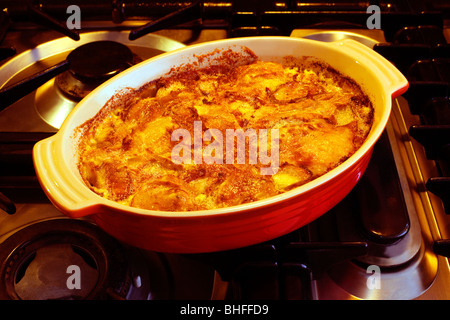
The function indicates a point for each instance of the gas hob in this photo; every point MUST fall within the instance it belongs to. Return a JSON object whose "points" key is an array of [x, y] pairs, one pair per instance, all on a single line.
{"points": [[387, 240]]}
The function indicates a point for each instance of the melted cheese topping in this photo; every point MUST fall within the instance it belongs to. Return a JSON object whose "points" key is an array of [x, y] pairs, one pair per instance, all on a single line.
{"points": [[125, 154]]}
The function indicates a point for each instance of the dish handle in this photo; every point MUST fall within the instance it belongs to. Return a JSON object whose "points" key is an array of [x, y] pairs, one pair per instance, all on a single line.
{"points": [[62, 187], [394, 81]]}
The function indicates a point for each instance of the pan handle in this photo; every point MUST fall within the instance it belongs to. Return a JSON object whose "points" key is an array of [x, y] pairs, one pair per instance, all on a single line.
{"points": [[63, 188], [393, 80], [12, 93]]}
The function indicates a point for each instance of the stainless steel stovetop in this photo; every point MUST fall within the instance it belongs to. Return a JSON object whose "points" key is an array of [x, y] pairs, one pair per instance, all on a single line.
{"points": [[395, 249]]}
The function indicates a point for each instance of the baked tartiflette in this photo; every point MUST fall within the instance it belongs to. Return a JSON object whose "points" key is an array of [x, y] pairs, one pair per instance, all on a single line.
{"points": [[219, 136]]}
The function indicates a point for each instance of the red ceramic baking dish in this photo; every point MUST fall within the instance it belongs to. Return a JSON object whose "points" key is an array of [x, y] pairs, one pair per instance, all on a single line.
{"points": [[55, 158]]}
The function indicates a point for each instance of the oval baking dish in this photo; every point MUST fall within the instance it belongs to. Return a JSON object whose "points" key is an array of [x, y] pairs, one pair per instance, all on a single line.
{"points": [[55, 158]]}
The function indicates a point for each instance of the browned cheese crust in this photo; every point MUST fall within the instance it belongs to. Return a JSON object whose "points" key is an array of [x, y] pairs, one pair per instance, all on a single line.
{"points": [[322, 118]]}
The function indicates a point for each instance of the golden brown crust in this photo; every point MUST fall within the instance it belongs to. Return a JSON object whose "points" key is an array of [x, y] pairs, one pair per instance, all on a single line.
{"points": [[321, 119]]}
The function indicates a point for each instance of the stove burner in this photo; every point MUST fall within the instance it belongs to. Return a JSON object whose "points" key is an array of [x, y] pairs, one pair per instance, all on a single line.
{"points": [[46, 268], [68, 259], [91, 64], [87, 66]]}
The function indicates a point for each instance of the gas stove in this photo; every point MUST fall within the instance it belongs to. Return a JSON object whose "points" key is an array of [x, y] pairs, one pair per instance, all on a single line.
{"points": [[388, 239]]}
